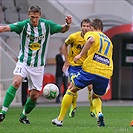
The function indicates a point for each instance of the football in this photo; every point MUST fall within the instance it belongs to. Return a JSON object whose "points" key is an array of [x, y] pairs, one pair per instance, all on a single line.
{"points": [[50, 91]]}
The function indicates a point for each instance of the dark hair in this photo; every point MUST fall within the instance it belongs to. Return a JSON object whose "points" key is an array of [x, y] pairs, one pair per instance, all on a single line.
{"points": [[85, 21], [97, 24], [34, 8]]}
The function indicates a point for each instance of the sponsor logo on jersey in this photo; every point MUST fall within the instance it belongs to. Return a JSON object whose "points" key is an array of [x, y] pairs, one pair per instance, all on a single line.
{"points": [[101, 59], [35, 38], [35, 46]]}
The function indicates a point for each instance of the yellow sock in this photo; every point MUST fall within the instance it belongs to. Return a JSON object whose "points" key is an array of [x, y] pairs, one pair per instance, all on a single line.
{"points": [[97, 104], [66, 102], [74, 102]]}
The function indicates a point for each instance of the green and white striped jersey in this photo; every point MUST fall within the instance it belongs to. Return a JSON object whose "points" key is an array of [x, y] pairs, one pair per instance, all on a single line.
{"points": [[34, 40]]}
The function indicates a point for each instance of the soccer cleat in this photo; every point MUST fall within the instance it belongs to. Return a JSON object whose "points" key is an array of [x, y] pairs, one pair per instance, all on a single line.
{"points": [[57, 122], [24, 120], [72, 112], [92, 114], [100, 120], [2, 117], [131, 123]]}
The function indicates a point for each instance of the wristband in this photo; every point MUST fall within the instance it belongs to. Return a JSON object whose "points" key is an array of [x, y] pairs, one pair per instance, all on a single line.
{"points": [[67, 25]]}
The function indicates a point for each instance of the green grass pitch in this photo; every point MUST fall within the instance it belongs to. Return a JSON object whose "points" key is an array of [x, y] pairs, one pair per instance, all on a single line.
{"points": [[117, 119]]}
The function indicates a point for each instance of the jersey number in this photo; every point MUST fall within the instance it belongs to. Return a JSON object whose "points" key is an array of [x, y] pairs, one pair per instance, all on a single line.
{"points": [[18, 70], [101, 46]]}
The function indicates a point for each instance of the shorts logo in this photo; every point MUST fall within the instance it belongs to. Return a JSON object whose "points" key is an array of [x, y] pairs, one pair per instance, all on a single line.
{"points": [[101, 59]]}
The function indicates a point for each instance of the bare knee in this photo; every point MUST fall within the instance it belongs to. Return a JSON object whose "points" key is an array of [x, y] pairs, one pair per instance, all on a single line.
{"points": [[73, 88], [34, 94], [90, 87], [16, 83]]}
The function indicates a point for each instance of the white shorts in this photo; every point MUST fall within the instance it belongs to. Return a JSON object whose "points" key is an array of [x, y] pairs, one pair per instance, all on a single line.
{"points": [[34, 75]]}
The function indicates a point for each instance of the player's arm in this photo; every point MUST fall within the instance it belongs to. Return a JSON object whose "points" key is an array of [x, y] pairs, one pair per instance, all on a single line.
{"points": [[86, 47], [5, 28], [66, 26], [65, 52]]}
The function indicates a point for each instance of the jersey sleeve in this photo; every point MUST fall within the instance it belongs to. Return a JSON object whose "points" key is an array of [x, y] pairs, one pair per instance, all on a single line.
{"points": [[87, 35], [54, 28], [69, 40], [17, 27]]}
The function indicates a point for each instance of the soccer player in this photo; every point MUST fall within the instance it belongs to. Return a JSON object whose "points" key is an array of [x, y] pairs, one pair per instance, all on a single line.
{"points": [[97, 69], [35, 33], [75, 42]]}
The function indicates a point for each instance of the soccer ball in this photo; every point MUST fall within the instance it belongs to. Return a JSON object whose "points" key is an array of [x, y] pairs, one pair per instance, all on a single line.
{"points": [[50, 91]]}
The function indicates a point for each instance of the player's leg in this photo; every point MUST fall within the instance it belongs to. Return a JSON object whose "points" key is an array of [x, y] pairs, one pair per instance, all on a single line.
{"points": [[97, 103], [73, 70], [73, 105], [78, 82], [11, 91], [35, 85], [29, 106], [9, 96], [99, 89], [66, 102], [92, 110]]}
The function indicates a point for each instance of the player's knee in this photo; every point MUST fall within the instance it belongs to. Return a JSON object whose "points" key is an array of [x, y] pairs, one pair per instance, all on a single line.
{"points": [[16, 83], [90, 87], [34, 95], [74, 90], [69, 92], [34, 98]]}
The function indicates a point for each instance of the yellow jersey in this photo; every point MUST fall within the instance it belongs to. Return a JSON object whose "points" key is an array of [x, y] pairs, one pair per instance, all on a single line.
{"points": [[76, 42], [99, 60]]}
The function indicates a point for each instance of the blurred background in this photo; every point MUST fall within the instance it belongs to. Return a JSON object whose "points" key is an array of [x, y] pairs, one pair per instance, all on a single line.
{"points": [[117, 17]]}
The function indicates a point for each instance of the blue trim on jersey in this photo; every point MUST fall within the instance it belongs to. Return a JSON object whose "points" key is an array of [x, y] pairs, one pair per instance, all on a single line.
{"points": [[73, 70], [84, 79]]}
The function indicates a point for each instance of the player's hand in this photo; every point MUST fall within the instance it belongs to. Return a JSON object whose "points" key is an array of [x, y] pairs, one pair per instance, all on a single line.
{"points": [[77, 57], [68, 19], [65, 66]]}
